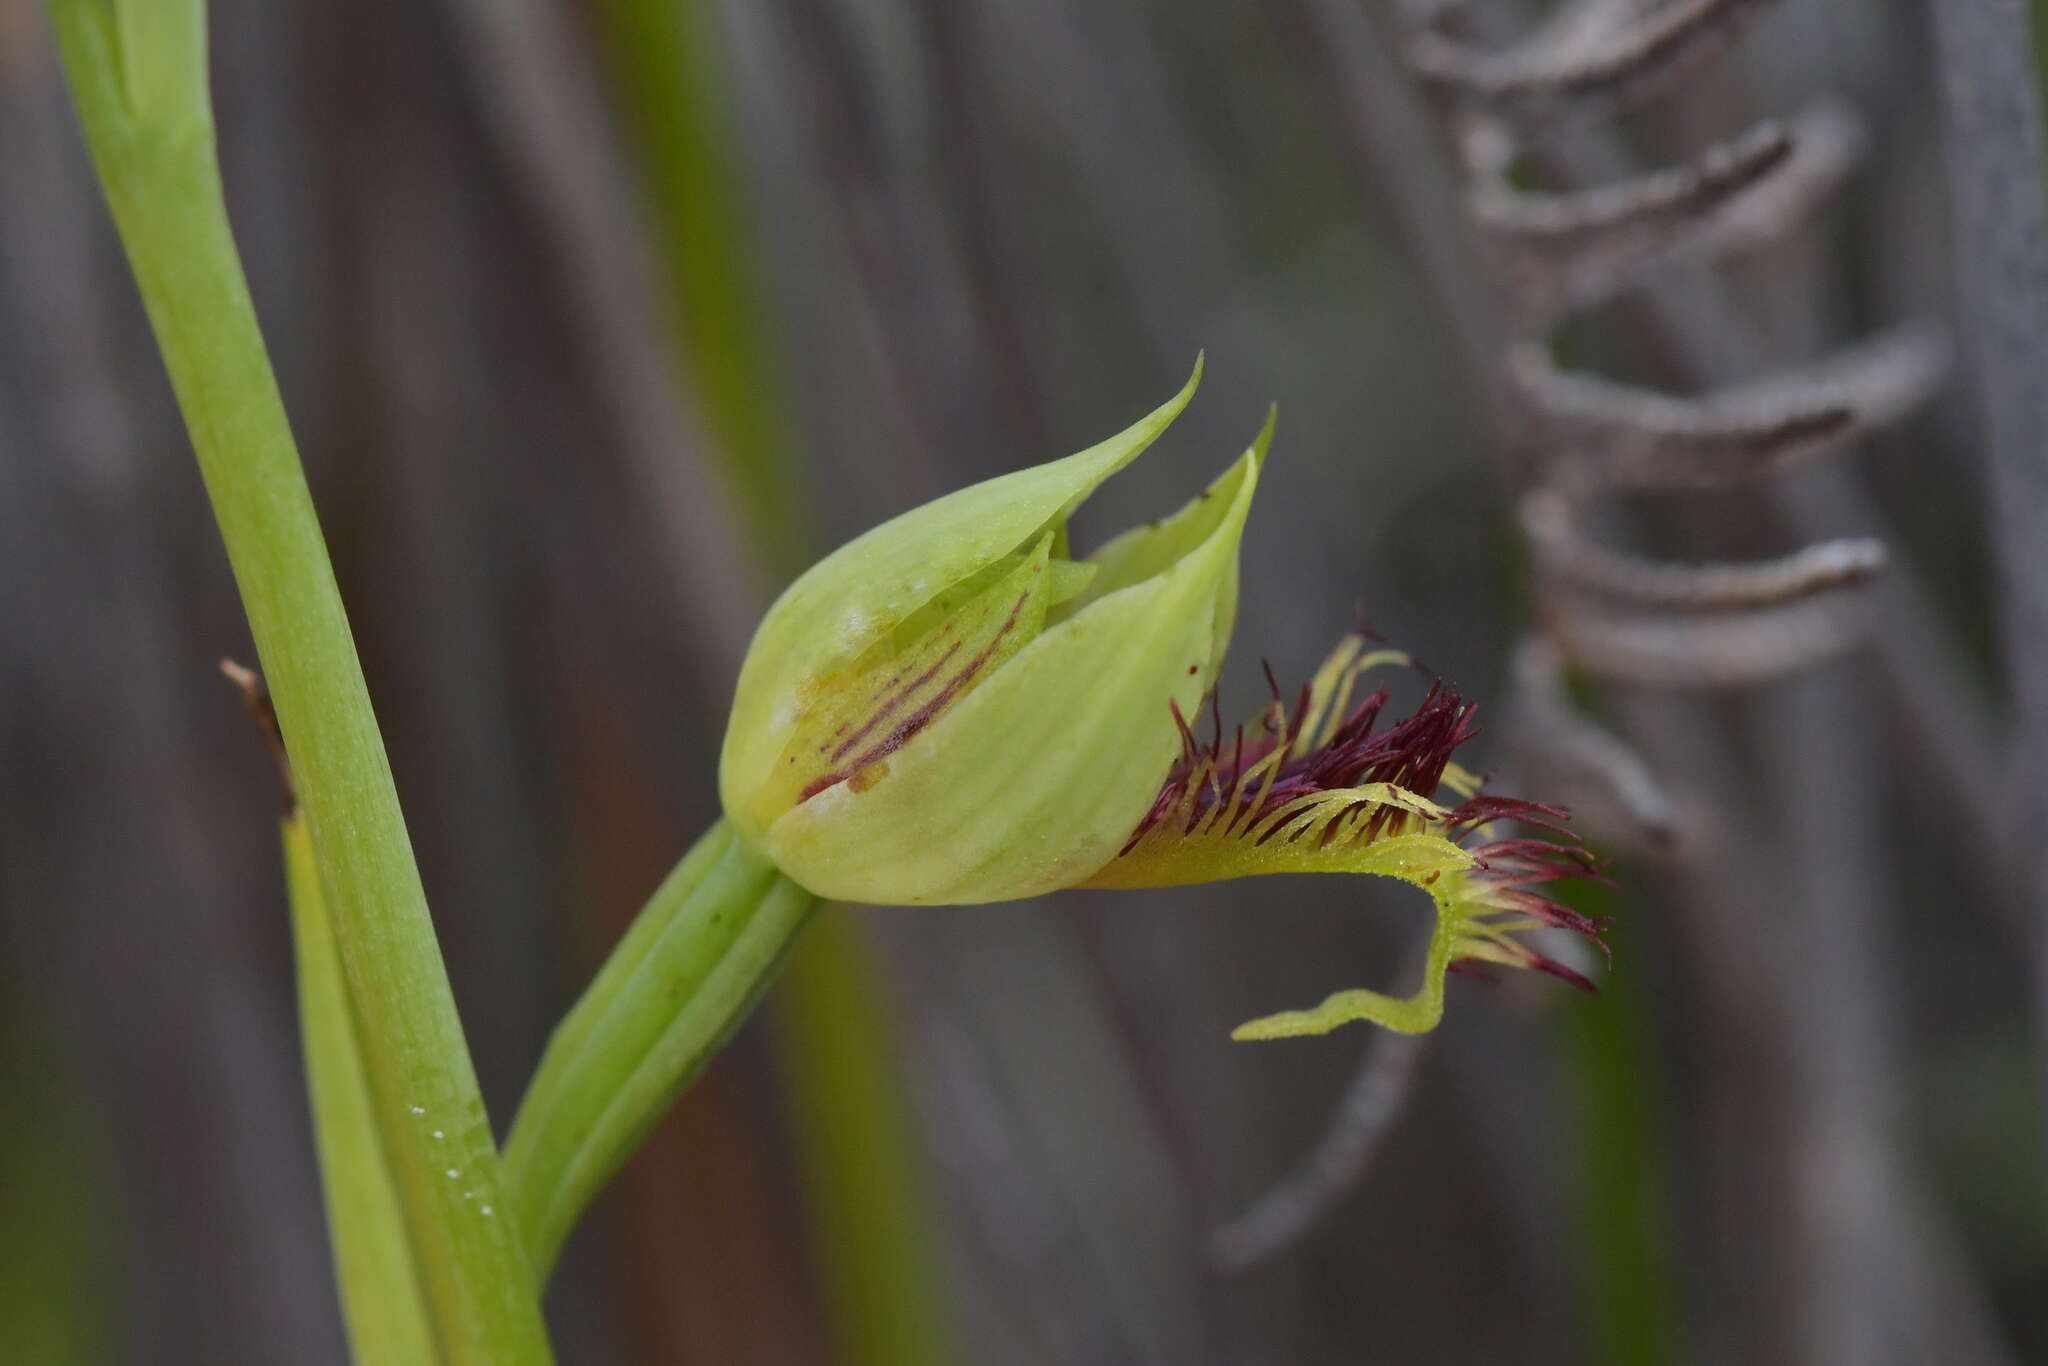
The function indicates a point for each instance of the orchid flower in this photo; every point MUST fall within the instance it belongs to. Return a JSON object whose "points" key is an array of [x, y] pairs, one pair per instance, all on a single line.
{"points": [[953, 709]]}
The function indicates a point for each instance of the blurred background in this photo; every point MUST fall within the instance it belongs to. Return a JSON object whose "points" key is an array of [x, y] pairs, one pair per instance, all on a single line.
{"points": [[598, 321]]}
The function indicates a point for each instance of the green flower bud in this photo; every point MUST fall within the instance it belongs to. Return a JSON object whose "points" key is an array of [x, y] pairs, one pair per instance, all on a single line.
{"points": [[950, 710]]}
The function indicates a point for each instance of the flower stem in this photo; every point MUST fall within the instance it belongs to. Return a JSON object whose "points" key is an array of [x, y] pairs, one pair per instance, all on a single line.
{"points": [[1623, 1235], [693, 964], [665, 61], [138, 76], [852, 1129]]}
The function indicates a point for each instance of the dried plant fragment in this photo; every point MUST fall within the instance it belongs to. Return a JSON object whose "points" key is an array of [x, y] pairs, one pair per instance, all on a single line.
{"points": [[1693, 652], [1631, 218], [1569, 252], [1623, 435], [1609, 785], [1586, 69], [1571, 558], [1371, 1103]]}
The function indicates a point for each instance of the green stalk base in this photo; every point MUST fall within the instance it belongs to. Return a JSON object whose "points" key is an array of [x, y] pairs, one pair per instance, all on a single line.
{"points": [[681, 981]]}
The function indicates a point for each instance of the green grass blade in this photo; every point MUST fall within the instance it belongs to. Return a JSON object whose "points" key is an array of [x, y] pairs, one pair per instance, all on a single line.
{"points": [[851, 1125], [1623, 1239], [374, 1262], [665, 62]]}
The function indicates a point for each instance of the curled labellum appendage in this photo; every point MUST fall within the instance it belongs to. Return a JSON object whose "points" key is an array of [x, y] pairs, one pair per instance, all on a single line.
{"points": [[951, 710]]}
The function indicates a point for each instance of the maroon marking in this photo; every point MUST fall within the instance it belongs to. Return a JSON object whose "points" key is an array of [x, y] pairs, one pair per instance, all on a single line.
{"points": [[922, 717], [893, 701]]}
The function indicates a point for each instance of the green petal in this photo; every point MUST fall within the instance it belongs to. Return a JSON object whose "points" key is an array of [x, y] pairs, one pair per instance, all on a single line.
{"points": [[1143, 551], [847, 602], [1038, 777], [858, 718]]}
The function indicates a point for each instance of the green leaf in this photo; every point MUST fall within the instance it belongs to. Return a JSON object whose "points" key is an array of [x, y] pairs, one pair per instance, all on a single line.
{"points": [[375, 1263], [858, 594], [1035, 779]]}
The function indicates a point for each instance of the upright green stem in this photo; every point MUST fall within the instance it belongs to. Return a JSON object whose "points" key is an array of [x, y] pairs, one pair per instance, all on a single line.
{"points": [[857, 1152], [57, 1293], [665, 63], [138, 75], [1622, 1241], [689, 970]]}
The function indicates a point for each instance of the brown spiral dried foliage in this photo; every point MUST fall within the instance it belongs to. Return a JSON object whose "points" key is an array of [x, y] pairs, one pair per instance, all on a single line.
{"points": [[1607, 612]]}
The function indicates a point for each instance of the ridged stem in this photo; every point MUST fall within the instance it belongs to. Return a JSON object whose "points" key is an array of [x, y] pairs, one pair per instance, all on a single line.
{"points": [[682, 980]]}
